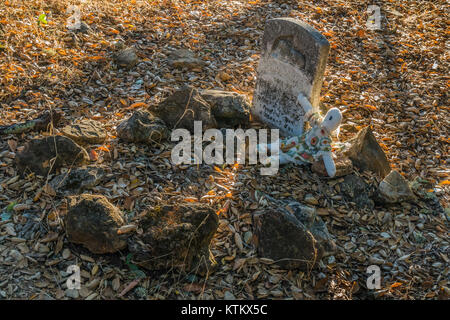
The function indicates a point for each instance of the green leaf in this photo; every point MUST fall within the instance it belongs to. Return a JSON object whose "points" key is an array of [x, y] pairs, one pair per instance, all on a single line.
{"points": [[42, 19], [10, 207]]}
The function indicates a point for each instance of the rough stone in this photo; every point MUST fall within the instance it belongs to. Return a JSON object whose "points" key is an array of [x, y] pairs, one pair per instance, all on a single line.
{"points": [[77, 180], [293, 61], [72, 293], [343, 165], [183, 58], [356, 190], [394, 188], [143, 127], [292, 234], [86, 132], [230, 109], [126, 57], [183, 107], [45, 155], [176, 236], [93, 222], [366, 153]]}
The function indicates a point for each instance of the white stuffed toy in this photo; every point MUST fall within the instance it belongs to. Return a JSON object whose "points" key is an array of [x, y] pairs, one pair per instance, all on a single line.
{"points": [[313, 144]]}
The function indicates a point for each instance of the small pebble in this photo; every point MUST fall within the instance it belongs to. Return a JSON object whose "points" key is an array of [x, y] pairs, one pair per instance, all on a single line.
{"points": [[72, 293], [229, 296], [248, 236], [66, 254], [331, 260], [385, 235]]}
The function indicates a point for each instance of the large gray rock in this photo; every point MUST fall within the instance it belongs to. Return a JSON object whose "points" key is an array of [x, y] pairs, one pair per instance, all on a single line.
{"points": [[230, 109], [176, 236], [293, 61], [366, 153], [94, 222], [183, 107], [394, 188], [292, 234], [48, 154], [85, 132], [143, 127]]}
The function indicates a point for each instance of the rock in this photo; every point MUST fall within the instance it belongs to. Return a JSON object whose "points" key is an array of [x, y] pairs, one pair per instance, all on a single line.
{"points": [[93, 222], [72, 293], [142, 126], [183, 107], [126, 58], [77, 180], [248, 237], [176, 236], [366, 153], [229, 296], [230, 109], [183, 58], [292, 234], [85, 132], [394, 188], [343, 167], [72, 104], [49, 154], [355, 189], [66, 254]]}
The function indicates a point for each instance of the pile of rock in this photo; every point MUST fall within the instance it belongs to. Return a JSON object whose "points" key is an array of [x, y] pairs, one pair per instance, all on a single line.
{"points": [[172, 236], [215, 108]]}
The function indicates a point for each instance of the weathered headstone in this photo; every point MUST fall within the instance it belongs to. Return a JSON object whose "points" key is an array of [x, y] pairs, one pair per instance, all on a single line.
{"points": [[293, 61]]}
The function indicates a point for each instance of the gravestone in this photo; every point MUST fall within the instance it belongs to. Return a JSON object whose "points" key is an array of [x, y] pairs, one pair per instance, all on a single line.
{"points": [[293, 61]]}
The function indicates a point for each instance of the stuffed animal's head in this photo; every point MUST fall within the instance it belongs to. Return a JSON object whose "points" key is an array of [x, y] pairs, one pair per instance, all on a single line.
{"points": [[332, 120]]}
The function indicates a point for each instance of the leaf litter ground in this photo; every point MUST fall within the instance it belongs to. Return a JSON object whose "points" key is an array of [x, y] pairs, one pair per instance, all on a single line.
{"points": [[394, 79]]}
